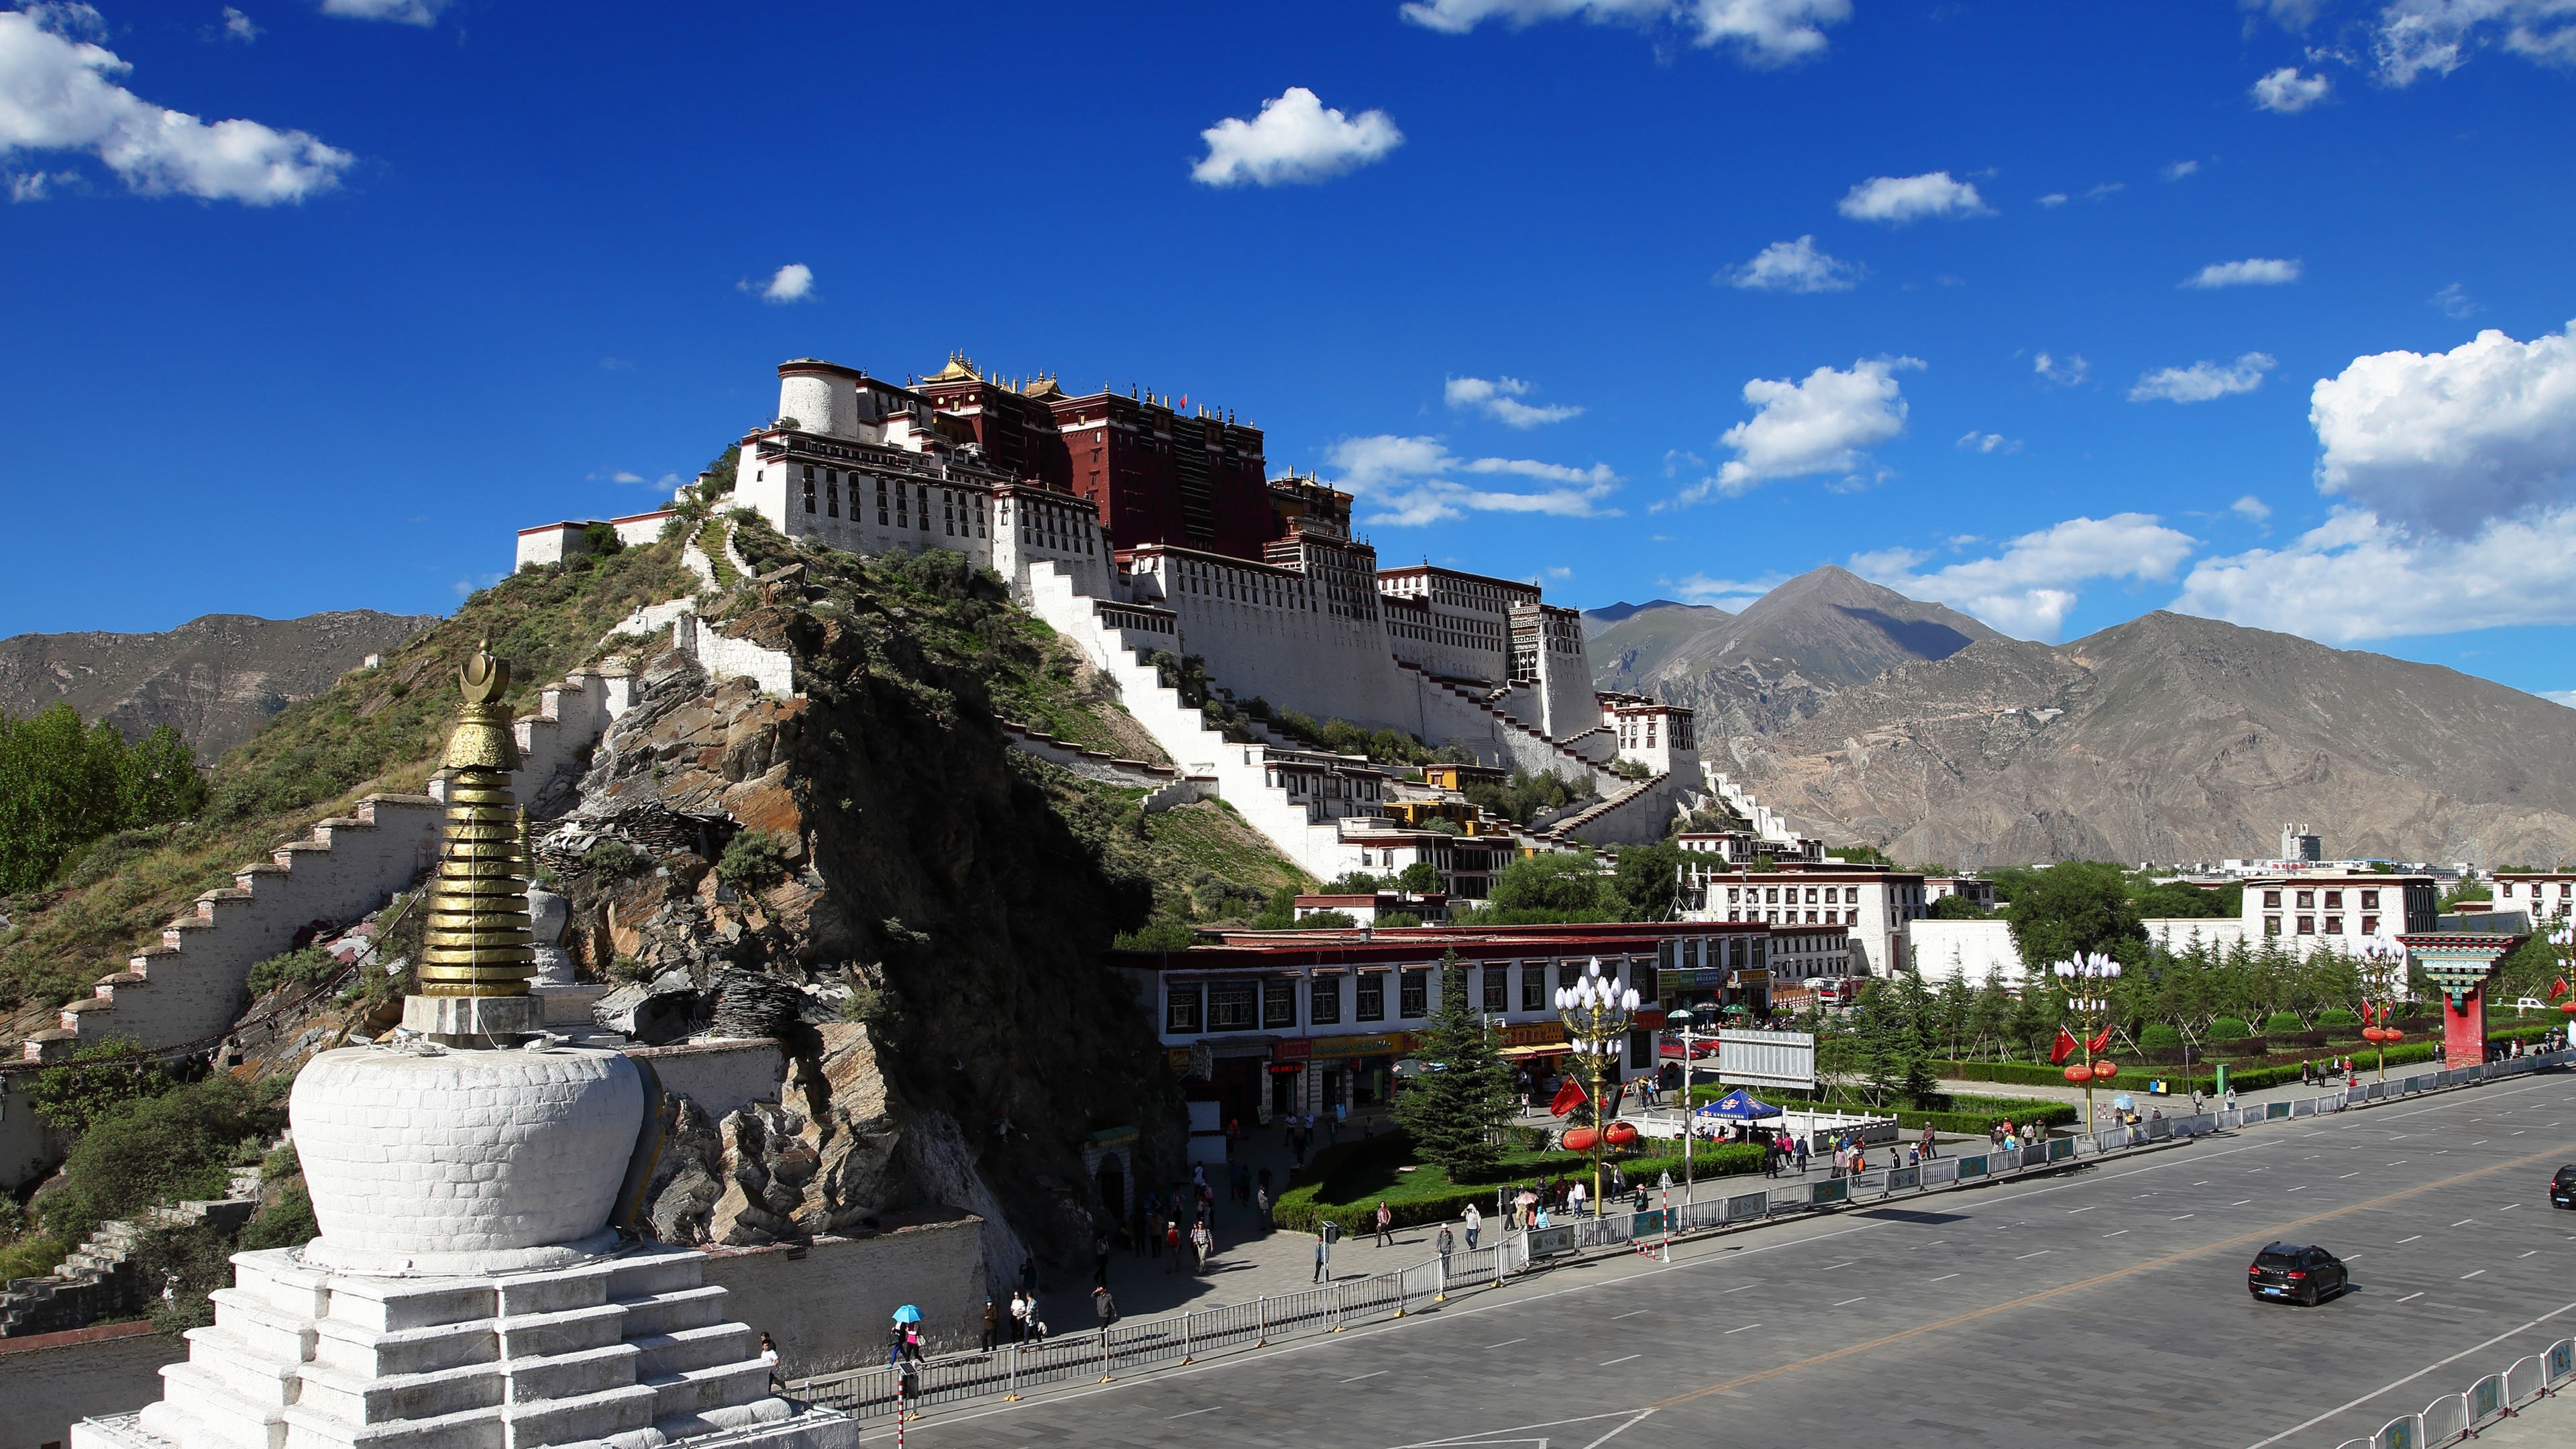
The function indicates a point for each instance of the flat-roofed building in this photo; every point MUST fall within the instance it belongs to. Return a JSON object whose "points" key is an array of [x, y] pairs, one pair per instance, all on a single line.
{"points": [[2313, 911]]}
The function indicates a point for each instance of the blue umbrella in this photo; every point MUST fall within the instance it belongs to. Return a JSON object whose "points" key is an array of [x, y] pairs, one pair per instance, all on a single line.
{"points": [[907, 1314], [1740, 1106]]}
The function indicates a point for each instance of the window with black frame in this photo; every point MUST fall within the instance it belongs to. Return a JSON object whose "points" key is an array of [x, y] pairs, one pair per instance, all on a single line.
{"points": [[1181, 1010], [1415, 1001], [1498, 989], [1370, 991], [1232, 1005], [1279, 1004], [1533, 988], [1324, 1002]]}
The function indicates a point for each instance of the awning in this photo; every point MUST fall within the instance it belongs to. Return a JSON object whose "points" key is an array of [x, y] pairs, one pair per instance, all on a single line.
{"points": [[1739, 1106], [1524, 1053]]}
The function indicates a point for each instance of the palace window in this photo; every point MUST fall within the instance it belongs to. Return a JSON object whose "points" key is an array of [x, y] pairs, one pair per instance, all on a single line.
{"points": [[1498, 989], [2307, 900], [809, 495], [832, 497], [2307, 924], [1279, 1004], [1181, 1009], [1415, 1002], [2370, 925], [1324, 1001], [2271, 900], [1371, 994], [1231, 1005], [2334, 900], [1533, 988], [2370, 899]]}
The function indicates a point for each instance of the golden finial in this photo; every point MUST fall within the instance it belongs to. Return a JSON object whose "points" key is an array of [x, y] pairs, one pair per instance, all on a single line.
{"points": [[478, 937]]}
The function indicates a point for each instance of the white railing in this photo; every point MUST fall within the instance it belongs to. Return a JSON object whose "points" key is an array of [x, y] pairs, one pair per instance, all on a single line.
{"points": [[2454, 1417]]}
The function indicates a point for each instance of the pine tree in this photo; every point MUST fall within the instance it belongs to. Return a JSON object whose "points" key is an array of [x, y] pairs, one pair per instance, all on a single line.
{"points": [[1463, 1093]]}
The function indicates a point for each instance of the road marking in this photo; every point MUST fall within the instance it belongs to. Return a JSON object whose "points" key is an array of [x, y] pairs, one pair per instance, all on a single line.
{"points": [[2535, 1250], [1845, 1263], [1617, 1316], [1946, 1277], [1737, 1289], [2302, 1187], [2122, 1233], [2401, 1162], [1872, 1346], [1848, 1302], [2464, 1222], [2349, 1174], [2411, 1297], [2240, 1202], [2070, 1212], [2402, 1242], [2410, 1378], [1506, 1343], [2464, 1277], [2204, 1182], [2481, 1142], [2508, 1207], [1623, 1360], [2042, 1253], [2189, 1215], [1210, 1409], [1744, 1329], [1356, 1379]]}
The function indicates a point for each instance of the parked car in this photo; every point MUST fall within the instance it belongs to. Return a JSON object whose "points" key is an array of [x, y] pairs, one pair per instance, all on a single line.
{"points": [[2296, 1274], [2562, 1188]]}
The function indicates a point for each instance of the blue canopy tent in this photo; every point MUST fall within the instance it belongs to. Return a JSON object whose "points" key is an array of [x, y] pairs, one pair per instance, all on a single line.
{"points": [[1740, 1106]]}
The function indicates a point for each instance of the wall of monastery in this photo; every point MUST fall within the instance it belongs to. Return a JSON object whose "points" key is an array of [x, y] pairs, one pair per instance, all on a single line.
{"points": [[718, 1075], [828, 1304], [1962, 950]]}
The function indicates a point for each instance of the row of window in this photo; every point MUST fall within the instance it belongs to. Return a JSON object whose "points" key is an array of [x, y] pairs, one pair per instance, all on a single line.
{"points": [[1271, 1004], [1790, 918], [2538, 889], [2307, 925], [2307, 900], [1770, 895]]}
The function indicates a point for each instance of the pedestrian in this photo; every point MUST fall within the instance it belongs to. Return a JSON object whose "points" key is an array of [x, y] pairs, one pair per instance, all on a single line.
{"points": [[1802, 1156], [1261, 1205], [1929, 1142], [1172, 1240], [1445, 1244], [1100, 1260], [992, 1323], [1574, 1199], [1385, 1221], [769, 1351], [1475, 1223], [1202, 1247], [1105, 1308], [1020, 1315], [1320, 1244]]}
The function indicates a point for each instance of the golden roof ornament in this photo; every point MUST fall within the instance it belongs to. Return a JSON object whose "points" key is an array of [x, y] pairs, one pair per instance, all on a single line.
{"points": [[478, 938]]}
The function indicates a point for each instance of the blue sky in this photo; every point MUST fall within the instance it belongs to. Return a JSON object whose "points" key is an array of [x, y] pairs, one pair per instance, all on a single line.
{"points": [[2055, 313]]}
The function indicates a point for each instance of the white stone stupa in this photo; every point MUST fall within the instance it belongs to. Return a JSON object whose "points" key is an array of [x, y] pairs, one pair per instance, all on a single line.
{"points": [[470, 1289]]}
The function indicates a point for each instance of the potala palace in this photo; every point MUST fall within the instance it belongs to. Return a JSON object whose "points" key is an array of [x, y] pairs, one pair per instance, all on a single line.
{"points": [[1134, 526]]}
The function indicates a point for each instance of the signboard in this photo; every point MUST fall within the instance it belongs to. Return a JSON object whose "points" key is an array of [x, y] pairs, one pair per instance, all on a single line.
{"points": [[1748, 1058], [1534, 1033], [1747, 1205], [1646, 1224], [1294, 1049], [1383, 1044], [1901, 1178], [1548, 1242], [1837, 1190], [1704, 978]]}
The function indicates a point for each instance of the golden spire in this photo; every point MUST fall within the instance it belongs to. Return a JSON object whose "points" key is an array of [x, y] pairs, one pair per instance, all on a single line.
{"points": [[478, 937]]}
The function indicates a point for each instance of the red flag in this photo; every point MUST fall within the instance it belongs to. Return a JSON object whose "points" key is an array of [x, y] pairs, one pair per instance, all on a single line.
{"points": [[2064, 1048], [2558, 989], [2099, 1043], [2365, 1014], [1568, 1097]]}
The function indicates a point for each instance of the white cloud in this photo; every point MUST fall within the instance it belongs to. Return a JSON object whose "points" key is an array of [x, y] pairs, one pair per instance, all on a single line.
{"points": [[2355, 577], [2440, 441], [2411, 37], [2202, 381], [39, 185], [2251, 272], [2180, 169], [1820, 425], [1977, 442], [1793, 266], [2566, 697], [1760, 32], [1296, 138], [58, 92], [2028, 589], [2107, 188], [2054, 198], [2251, 507], [2455, 302], [1900, 199], [400, 12], [2288, 92], [2066, 373], [1728, 594], [1500, 399], [1412, 481], [238, 26], [793, 282]]}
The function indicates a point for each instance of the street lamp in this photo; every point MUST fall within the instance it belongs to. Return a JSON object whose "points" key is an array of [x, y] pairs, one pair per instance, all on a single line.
{"points": [[2383, 977], [1680, 1016], [2087, 976], [1597, 1014]]}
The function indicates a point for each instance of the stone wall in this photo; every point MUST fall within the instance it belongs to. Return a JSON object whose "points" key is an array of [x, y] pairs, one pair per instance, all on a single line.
{"points": [[1968, 950], [723, 658], [29, 1150], [829, 1305], [718, 1075], [54, 1382]]}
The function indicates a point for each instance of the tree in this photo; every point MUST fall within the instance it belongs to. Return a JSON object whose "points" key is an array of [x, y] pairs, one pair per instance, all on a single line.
{"points": [[2072, 908], [100, 1077], [2180, 900], [1462, 1097], [63, 785], [1895, 1053], [1648, 882], [1543, 889], [1420, 878], [1956, 908]]}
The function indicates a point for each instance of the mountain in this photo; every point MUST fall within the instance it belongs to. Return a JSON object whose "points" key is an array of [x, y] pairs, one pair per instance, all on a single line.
{"points": [[1778, 662], [1596, 620], [216, 679], [2172, 738]]}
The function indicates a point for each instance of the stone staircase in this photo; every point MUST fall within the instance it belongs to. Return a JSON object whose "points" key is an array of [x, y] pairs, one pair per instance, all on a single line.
{"points": [[97, 1279], [189, 989]]}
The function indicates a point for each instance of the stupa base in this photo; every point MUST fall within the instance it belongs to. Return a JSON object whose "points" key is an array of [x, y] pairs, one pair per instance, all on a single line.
{"points": [[474, 1021], [627, 1352]]}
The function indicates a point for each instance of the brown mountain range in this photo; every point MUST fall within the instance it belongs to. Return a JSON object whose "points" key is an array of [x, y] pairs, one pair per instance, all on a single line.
{"points": [[2167, 738], [216, 679]]}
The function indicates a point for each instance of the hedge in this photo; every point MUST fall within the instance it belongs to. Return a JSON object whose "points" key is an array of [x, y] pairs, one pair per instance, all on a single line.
{"points": [[1298, 1209], [2249, 1079]]}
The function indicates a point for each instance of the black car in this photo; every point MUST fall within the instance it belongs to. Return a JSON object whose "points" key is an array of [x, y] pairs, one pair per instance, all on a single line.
{"points": [[2562, 1188], [2297, 1274]]}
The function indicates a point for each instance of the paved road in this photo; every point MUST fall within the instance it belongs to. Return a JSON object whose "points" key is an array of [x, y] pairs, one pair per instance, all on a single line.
{"points": [[2106, 1307]]}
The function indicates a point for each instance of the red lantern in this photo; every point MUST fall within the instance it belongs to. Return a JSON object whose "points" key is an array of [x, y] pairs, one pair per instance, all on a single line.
{"points": [[2105, 1071], [2568, 1007], [2079, 1074], [1622, 1134], [1580, 1139]]}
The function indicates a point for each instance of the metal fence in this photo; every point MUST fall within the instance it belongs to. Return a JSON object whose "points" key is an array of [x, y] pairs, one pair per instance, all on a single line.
{"points": [[1183, 1337], [2454, 1417]]}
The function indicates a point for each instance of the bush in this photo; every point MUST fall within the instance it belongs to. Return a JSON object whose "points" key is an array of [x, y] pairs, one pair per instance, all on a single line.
{"points": [[285, 1223], [1327, 921], [160, 1149], [299, 970], [753, 861], [614, 859], [1160, 935], [2283, 1023], [2159, 1037], [2229, 1028], [2334, 1016]]}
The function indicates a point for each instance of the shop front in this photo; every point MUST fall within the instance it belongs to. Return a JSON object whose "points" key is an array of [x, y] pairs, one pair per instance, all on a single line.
{"points": [[1356, 1071], [1289, 1061]]}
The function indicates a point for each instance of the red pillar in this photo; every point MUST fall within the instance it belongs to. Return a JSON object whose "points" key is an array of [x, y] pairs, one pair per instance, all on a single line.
{"points": [[2464, 1028]]}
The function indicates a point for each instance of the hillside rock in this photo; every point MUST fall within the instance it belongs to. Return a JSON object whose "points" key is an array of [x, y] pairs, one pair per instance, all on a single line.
{"points": [[214, 679]]}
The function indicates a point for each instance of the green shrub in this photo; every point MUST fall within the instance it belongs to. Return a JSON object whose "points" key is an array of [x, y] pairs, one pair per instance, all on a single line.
{"points": [[160, 1149], [1164, 934], [754, 860], [2335, 1016], [2282, 1022], [2159, 1037], [614, 859], [1327, 921], [100, 1077], [285, 1223], [299, 970], [188, 1261], [2228, 1028]]}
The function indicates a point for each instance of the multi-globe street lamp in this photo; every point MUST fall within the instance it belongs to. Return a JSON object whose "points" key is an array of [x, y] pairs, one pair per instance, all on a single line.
{"points": [[1597, 1013], [1681, 1017], [2087, 979], [2383, 980]]}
